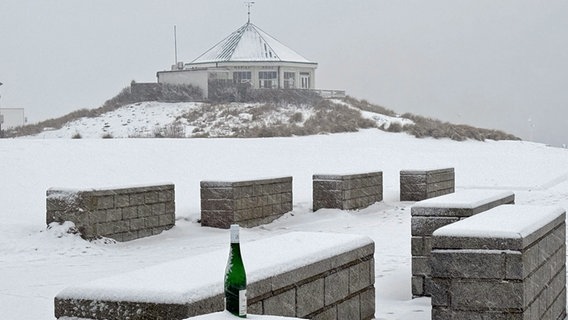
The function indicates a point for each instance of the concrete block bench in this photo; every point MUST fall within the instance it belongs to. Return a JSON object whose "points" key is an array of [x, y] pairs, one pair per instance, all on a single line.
{"points": [[429, 215], [299, 274], [123, 214], [505, 263], [247, 203], [347, 192], [416, 185]]}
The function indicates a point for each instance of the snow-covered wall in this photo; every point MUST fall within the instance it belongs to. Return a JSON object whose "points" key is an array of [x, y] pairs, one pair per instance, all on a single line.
{"points": [[309, 275], [248, 203], [348, 191], [122, 214], [505, 263], [428, 215], [416, 185]]}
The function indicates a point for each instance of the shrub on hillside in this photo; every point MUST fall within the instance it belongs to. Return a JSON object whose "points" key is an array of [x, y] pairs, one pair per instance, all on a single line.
{"points": [[366, 106], [328, 118], [394, 127], [297, 117], [223, 92], [173, 130], [332, 118], [264, 131], [427, 127], [179, 93], [285, 96]]}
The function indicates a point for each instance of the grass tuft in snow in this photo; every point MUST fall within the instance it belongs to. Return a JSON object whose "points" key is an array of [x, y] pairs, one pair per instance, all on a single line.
{"points": [[427, 127]]}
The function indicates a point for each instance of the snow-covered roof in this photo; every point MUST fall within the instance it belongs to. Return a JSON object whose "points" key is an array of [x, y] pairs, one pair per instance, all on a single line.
{"points": [[250, 44]]}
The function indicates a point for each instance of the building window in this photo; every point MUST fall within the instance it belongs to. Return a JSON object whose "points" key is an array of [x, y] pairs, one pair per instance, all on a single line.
{"points": [[219, 77], [305, 80], [241, 77], [289, 80], [268, 79]]}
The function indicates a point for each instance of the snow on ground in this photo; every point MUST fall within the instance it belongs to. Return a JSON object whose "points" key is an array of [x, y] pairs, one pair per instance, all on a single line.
{"points": [[381, 119], [136, 120], [36, 263]]}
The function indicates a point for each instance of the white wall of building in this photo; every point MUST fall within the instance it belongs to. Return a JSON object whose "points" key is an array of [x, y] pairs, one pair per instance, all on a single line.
{"points": [[196, 78], [13, 117], [199, 77]]}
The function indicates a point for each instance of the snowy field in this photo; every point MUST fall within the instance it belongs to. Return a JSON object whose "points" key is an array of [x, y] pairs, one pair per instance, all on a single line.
{"points": [[35, 263]]}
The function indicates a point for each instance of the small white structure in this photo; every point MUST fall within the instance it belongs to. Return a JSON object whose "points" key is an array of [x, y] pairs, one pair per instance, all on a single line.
{"points": [[11, 118], [250, 57]]}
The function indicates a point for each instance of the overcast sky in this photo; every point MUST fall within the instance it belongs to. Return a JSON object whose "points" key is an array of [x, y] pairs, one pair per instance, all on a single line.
{"points": [[492, 63]]}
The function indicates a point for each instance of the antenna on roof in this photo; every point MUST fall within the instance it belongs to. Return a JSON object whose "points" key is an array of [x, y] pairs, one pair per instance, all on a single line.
{"points": [[175, 45], [249, 5]]}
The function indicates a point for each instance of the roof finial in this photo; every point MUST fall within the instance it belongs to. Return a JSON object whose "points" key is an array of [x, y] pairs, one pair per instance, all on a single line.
{"points": [[249, 5]]}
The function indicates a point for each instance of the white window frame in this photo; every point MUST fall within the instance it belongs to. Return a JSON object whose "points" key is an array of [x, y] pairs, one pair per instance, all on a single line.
{"points": [[242, 77], [289, 80], [268, 79], [305, 80]]}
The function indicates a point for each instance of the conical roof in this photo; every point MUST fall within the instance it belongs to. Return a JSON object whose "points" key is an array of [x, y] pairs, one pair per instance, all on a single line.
{"points": [[250, 44]]}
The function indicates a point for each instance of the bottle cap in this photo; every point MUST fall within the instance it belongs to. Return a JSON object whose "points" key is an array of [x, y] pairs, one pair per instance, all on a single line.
{"points": [[234, 233]]}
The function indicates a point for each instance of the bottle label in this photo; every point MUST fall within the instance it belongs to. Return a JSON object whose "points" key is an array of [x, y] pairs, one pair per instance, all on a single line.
{"points": [[242, 303]]}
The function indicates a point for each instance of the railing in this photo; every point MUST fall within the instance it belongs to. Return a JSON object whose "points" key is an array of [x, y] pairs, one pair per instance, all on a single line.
{"points": [[330, 94]]}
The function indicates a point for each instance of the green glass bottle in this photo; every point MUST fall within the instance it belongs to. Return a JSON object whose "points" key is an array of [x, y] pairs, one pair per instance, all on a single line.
{"points": [[235, 278]]}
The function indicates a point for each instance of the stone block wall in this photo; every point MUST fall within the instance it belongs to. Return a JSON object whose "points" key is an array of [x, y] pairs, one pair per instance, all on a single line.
{"points": [[483, 268], [416, 185], [181, 92], [346, 291], [431, 214], [247, 203], [331, 278], [347, 192], [223, 315], [122, 214]]}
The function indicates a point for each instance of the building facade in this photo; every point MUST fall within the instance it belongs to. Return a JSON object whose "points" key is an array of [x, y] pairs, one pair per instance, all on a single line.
{"points": [[247, 57], [11, 118]]}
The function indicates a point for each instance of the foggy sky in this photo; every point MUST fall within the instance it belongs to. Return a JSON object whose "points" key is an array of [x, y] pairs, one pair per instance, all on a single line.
{"points": [[494, 64]]}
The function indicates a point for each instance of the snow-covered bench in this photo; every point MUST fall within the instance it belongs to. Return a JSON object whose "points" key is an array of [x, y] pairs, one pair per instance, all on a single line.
{"points": [[348, 191], [298, 274], [429, 215], [123, 213], [248, 203], [416, 185], [224, 315], [505, 263]]}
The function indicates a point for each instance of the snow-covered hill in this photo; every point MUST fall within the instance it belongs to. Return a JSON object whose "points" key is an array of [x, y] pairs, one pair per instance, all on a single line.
{"points": [[193, 119]]}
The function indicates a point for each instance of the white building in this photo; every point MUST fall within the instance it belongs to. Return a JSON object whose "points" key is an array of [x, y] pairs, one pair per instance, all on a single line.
{"points": [[248, 56], [11, 118]]}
